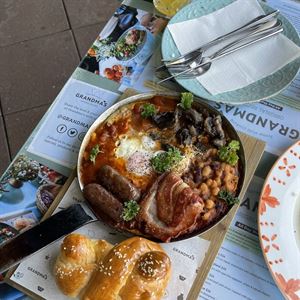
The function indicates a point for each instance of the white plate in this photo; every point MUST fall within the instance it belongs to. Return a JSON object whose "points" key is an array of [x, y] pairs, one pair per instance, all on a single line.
{"points": [[279, 222]]}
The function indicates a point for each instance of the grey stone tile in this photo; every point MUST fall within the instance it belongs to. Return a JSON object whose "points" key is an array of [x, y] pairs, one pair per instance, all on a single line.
{"points": [[5, 158], [33, 72], [27, 19], [85, 36], [87, 12], [26, 121]]}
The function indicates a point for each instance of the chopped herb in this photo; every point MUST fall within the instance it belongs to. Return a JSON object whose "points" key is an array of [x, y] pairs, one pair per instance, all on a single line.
{"points": [[94, 152], [131, 209], [148, 110], [228, 153], [186, 100], [228, 197], [164, 161]]}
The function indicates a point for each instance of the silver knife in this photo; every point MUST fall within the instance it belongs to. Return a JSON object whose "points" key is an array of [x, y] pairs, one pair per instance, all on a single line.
{"points": [[36, 238]]}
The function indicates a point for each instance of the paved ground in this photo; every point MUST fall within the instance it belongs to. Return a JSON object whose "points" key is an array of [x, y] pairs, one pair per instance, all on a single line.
{"points": [[41, 42]]}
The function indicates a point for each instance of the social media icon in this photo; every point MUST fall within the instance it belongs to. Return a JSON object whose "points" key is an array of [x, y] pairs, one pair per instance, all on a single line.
{"points": [[81, 136], [61, 128], [72, 132]]}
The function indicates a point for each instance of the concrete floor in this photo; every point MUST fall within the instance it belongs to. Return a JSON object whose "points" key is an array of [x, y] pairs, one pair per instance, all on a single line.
{"points": [[41, 43]]}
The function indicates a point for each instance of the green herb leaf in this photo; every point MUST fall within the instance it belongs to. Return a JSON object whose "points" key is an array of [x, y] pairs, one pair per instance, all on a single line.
{"points": [[164, 161], [148, 110], [94, 152], [186, 100], [228, 153], [228, 197], [234, 145], [130, 210]]}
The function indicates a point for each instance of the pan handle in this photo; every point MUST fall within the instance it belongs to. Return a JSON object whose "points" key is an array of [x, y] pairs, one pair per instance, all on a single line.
{"points": [[36, 238]]}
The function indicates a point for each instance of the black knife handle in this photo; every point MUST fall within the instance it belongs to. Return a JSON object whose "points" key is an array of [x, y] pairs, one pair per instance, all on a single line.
{"points": [[41, 235]]}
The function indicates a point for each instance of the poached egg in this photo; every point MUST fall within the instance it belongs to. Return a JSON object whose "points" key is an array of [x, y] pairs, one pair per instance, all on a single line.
{"points": [[137, 152]]}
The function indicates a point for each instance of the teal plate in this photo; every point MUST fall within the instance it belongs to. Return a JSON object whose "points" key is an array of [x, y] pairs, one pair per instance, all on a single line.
{"points": [[265, 88]]}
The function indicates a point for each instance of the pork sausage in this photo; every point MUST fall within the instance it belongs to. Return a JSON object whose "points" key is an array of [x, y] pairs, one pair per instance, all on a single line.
{"points": [[117, 184], [103, 201]]}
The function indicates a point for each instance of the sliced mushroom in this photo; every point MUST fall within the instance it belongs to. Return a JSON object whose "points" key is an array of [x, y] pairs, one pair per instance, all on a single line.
{"points": [[209, 127], [155, 136], [194, 116], [218, 126], [184, 137], [164, 119], [201, 147], [219, 142], [193, 130], [177, 116]]}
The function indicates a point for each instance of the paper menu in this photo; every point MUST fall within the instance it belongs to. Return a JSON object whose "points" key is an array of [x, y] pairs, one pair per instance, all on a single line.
{"points": [[35, 273], [278, 125], [78, 105]]}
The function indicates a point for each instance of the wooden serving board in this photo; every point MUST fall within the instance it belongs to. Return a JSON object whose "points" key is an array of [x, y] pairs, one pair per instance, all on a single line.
{"points": [[254, 149]]}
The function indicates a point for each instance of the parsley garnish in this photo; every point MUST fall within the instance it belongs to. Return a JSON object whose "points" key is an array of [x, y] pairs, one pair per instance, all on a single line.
{"points": [[186, 100], [94, 152], [228, 153], [148, 110], [164, 161], [228, 197], [130, 210]]}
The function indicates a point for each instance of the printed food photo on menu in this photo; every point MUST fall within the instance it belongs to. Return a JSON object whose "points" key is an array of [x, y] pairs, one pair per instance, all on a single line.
{"points": [[27, 189], [125, 45], [28, 184]]}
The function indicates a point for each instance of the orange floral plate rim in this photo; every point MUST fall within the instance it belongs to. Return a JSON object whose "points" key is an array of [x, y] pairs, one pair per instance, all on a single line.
{"points": [[282, 260]]}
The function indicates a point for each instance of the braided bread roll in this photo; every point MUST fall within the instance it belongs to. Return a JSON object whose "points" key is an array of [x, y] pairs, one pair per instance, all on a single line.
{"points": [[77, 261], [136, 269]]}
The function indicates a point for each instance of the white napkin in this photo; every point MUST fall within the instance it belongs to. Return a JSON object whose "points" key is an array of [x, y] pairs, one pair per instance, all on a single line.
{"points": [[243, 67]]}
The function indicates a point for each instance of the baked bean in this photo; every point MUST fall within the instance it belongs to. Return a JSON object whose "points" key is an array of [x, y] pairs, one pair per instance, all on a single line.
{"points": [[214, 184], [218, 181], [201, 165], [206, 216], [206, 171], [230, 185], [209, 182], [215, 191], [219, 173], [227, 177], [209, 204], [204, 188], [227, 168]]}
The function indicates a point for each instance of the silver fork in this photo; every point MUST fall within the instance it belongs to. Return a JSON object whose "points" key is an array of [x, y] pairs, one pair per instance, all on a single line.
{"points": [[247, 28], [255, 30], [206, 62]]}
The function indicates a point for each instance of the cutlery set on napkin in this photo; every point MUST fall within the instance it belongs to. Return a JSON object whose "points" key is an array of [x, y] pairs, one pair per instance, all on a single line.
{"points": [[231, 47]]}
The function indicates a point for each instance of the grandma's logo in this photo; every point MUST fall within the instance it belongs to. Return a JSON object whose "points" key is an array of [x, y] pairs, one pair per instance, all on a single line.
{"points": [[92, 99], [190, 256], [40, 274], [259, 121]]}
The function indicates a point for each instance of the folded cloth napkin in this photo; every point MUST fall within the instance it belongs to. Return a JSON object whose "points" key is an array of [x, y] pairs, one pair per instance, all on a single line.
{"points": [[243, 67]]}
